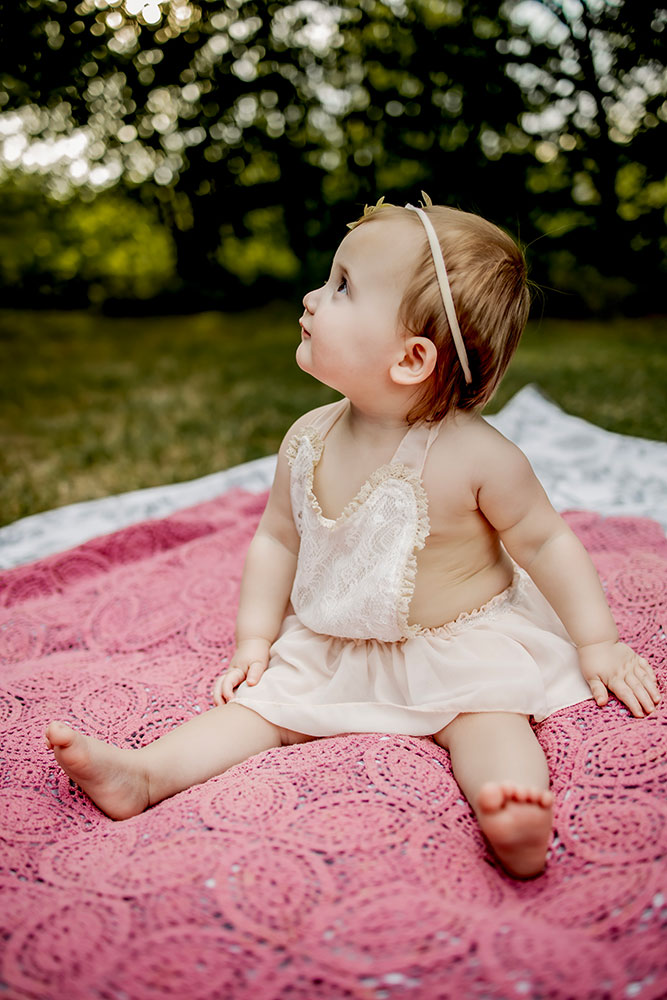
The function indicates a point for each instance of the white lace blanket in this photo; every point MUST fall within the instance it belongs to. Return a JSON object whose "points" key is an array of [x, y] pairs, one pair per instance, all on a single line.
{"points": [[580, 465]]}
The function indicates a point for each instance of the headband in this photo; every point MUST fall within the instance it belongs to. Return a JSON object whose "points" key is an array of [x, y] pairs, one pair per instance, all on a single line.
{"points": [[445, 290]]}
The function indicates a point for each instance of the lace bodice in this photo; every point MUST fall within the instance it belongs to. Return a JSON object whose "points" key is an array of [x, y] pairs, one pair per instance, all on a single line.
{"points": [[356, 573]]}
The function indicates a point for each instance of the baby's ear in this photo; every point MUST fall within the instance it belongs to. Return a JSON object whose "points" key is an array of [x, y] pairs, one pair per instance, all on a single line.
{"points": [[417, 363]]}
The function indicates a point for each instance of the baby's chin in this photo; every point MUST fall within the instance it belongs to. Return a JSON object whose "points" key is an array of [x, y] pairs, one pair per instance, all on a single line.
{"points": [[305, 363], [303, 358], [299, 357]]}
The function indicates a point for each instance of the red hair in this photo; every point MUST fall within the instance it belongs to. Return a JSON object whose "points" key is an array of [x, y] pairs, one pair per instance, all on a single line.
{"points": [[487, 276]]}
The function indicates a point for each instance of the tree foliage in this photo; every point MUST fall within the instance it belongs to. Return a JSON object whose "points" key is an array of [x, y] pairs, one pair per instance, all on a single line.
{"points": [[259, 128]]}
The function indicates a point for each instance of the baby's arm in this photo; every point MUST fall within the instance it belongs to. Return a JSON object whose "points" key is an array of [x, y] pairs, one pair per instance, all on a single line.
{"points": [[265, 587], [537, 538]]}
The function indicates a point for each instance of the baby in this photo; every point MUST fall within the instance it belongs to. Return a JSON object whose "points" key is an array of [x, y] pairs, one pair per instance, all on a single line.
{"points": [[409, 574]]}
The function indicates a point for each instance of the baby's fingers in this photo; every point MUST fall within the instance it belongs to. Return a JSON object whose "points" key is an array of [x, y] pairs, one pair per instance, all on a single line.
{"points": [[217, 690], [632, 691], [647, 675], [231, 680], [647, 691], [255, 671], [599, 691]]}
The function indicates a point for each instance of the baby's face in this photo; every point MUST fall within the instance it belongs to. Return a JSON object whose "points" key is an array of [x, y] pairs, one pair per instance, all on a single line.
{"points": [[351, 331]]}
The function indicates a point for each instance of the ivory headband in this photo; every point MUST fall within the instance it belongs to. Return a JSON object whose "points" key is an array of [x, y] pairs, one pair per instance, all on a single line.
{"points": [[445, 290]]}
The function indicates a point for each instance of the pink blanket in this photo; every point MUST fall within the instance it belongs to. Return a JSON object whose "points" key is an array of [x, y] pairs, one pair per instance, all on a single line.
{"points": [[344, 868]]}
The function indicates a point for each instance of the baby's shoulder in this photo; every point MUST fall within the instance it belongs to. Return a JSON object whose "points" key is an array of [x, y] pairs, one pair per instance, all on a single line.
{"points": [[471, 431], [468, 450]]}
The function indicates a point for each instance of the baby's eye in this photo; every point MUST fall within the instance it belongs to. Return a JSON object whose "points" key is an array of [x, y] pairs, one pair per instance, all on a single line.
{"points": [[342, 286]]}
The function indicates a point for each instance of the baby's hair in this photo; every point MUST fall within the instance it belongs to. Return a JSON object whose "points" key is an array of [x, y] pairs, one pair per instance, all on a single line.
{"points": [[487, 276]]}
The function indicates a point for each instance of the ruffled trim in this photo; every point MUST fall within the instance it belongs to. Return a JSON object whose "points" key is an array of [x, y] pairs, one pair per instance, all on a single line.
{"points": [[492, 609], [394, 470], [423, 528], [317, 444]]}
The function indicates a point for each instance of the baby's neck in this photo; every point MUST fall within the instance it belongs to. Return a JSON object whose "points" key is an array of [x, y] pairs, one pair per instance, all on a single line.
{"points": [[373, 416]]}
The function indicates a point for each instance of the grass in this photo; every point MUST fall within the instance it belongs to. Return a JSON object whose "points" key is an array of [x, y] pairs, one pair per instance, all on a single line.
{"points": [[91, 406], [613, 373]]}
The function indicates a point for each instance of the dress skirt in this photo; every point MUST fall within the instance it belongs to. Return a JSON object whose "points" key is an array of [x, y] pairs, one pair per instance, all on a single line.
{"points": [[511, 655]]}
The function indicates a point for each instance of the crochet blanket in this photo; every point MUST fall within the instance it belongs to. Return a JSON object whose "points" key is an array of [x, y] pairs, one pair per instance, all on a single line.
{"points": [[342, 869]]}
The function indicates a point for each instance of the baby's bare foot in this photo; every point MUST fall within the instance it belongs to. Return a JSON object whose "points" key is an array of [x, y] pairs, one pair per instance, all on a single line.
{"points": [[109, 775], [517, 823]]}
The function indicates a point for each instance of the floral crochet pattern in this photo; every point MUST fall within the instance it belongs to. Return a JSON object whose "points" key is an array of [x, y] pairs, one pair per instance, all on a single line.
{"points": [[343, 869]]}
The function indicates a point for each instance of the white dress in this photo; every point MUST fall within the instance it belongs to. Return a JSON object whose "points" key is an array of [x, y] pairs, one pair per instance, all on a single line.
{"points": [[346, 659]]}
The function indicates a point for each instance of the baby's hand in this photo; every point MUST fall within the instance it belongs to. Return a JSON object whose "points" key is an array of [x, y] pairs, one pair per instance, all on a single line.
{"points": [[248, 663], [613, 666]]}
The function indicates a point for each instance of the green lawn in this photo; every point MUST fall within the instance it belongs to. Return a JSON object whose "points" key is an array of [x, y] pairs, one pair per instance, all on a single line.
{"points": [[91, 406]]}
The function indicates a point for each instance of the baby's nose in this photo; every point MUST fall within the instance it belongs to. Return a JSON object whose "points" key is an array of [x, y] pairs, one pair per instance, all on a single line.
{"points": [[309, 301]]}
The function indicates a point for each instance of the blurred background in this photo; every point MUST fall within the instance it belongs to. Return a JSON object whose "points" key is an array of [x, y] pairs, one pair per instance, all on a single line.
{"points": [[174, 175]]}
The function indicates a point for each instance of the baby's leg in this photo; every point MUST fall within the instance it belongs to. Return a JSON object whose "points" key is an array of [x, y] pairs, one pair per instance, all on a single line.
{"points": [[503, 773], [125, 782]]}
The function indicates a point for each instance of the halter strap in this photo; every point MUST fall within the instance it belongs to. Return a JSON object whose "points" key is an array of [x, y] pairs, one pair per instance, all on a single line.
{"points": [[411, 451], [445, 290], [323, 421], [414, 449]]}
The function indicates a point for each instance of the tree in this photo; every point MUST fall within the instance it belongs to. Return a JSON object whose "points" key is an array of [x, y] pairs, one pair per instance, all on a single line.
{"points": [[110, 246], [259, 127], [594, 83], [432, 105], [204, 111]]}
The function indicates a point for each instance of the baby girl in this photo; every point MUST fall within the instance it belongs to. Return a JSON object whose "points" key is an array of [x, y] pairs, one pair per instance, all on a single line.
{"points": [[409, 574]]}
